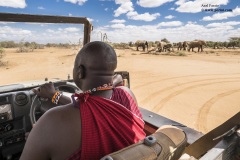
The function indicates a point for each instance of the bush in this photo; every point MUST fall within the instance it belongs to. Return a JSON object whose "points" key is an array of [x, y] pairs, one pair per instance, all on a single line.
{"points": [[2, 51], [2, 54], [180, 54]]}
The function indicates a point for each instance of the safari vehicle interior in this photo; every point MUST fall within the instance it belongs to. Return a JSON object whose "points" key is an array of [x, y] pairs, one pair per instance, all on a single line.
{"points": [[20, 108]]}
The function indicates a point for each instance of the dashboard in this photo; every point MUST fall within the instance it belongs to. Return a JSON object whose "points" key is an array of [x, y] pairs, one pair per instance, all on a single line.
{"points": [[15, 117], [14, 121]]}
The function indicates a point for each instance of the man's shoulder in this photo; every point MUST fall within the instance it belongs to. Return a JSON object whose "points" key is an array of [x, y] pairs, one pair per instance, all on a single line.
{"points": [[125, 88], [57, 117], [128, 90]]}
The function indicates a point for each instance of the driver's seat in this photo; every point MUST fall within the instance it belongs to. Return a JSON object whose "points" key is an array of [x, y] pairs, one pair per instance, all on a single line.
{"points": [[167, 143]]}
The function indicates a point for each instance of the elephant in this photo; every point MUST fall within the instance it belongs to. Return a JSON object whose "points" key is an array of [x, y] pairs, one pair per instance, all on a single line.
{"points": [[160, 45], [179, 45], [163, 46], [197, 43], [141, 43], [168, 47], [184, 45]]}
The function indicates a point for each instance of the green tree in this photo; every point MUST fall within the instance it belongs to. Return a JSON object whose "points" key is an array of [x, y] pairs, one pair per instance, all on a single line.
{"points": [[165, 40], [234, 41]]}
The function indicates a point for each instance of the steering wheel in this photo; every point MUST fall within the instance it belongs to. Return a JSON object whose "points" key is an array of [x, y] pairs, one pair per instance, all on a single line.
{"points": [[44, 104]]}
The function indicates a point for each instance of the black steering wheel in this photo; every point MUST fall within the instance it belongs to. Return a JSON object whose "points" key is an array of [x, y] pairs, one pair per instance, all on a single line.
{"points": [[43, 104]]}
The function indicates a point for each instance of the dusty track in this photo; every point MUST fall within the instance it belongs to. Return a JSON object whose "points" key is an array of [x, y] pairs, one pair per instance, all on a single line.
{"points": [[205, 109]]}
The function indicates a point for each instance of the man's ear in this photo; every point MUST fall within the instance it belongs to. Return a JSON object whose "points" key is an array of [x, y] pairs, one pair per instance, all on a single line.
{"points": [[81, 73]]}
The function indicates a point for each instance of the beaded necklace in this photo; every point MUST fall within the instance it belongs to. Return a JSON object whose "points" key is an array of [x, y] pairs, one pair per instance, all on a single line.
{"points": [[85, 94], [103, 87]]}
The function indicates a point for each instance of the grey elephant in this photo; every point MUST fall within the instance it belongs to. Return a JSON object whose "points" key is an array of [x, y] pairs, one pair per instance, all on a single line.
{"points": [[168, 47], [184, 45], [179, 45], [197, 43], [163, 46], [141, 43]]}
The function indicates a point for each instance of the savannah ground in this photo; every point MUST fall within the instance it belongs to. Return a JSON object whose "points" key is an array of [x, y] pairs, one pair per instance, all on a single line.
{"points": [[200, 90]]}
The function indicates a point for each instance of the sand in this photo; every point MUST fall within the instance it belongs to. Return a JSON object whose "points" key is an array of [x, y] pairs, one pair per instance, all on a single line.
{"points": [[200, 90]]}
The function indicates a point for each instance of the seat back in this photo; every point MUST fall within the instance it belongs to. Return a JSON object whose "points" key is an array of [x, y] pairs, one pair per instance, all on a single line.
{"points": [[167, 142]]}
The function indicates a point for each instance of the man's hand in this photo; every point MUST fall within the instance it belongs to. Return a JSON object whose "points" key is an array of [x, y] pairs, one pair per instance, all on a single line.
{"points": [[46, 90]]}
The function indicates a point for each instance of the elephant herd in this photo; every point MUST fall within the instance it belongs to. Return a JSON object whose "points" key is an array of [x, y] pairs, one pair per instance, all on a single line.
{"points": [[163, 46], [191, 45]]}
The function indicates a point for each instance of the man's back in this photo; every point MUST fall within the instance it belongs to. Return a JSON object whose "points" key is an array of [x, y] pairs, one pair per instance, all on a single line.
{"points": [[61, 131]]}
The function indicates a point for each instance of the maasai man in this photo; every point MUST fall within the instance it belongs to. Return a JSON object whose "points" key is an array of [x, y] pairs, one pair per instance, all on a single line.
{"points": [[101, 120]]}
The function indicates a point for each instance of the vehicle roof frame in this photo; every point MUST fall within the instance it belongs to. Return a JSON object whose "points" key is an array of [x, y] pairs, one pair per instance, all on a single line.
{"points": [[13, 17]]}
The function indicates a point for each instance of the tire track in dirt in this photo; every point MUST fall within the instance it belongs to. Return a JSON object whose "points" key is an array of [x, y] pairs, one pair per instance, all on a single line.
{"points": [[155, 94], [178, 77], [204, 111], [161, 104]]}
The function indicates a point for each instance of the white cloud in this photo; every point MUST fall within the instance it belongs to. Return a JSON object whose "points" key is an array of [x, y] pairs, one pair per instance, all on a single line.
{"points": [[5, 23], [125, 6], [90, 19], [172, 8], [144, 17], [219, 16], [180, 2], [13, 3], [106, 9], [196, 5], [152, 3], [118, 25], [79, 2], [51, 35], [170, 24], [174, 32], [223, 24], [64, 30], [118, 21], [50, 30], [170, 17], [69, 14], [71, 29], [14, 33], [40, 7]]}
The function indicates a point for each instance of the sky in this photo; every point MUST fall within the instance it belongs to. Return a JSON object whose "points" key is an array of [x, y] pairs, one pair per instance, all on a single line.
{"points": [[126, 20]]}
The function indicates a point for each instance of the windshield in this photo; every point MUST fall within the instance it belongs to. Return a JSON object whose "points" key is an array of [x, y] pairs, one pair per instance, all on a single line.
{"points": [[183, 56], [38, 51]]}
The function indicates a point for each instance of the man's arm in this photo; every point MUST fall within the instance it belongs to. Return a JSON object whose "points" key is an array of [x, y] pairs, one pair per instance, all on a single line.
{"points": [[37, 145], [56, 135], [47, 90]]}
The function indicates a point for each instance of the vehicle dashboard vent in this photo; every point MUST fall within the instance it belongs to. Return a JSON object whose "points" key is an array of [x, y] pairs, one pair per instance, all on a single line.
{"points": [[21, 99]]}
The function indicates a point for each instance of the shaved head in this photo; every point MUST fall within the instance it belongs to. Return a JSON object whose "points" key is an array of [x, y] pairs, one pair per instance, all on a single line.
{"points": [[95, 59], [97, 56]]}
